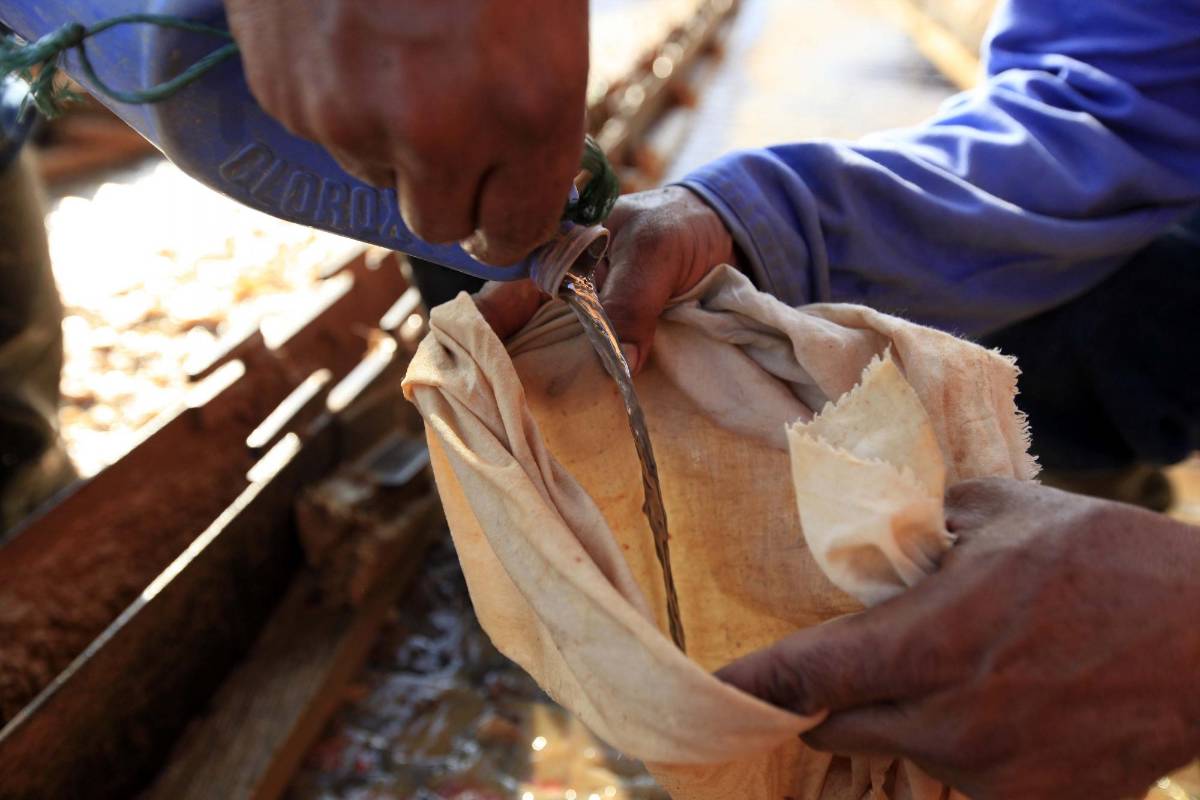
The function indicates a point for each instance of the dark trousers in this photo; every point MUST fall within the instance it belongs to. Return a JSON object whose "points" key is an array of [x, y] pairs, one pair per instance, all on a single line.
{"points": [[33, 463], [1112, 379]]}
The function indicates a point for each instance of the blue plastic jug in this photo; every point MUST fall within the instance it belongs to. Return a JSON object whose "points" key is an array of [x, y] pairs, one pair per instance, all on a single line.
{"points": [[216, 132]]}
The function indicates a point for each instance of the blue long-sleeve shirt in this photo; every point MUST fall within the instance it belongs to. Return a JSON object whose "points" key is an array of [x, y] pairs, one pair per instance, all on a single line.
{"points": [[1082, 146]]}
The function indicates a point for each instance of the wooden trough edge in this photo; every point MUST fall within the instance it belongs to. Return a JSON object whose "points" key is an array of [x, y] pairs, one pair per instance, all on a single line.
{"points": [[104, 724], [273, 706]]}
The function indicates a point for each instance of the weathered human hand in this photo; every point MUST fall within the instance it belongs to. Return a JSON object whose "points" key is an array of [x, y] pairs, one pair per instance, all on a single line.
{"points": [[474, 110], [663, 242], [1055, 653]]}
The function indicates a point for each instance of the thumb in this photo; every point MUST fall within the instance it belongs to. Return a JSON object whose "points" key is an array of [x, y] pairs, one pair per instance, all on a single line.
{"points": [[508, 306], [637, 287], [851, 661]]}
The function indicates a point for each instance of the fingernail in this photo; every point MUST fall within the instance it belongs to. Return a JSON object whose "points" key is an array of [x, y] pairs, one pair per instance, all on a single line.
{"points": [[474, 245], [406, 214], [631, 355]]}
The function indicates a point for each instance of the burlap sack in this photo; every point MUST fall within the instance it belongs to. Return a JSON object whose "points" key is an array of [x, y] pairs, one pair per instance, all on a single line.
{"points": [[541, 485]]}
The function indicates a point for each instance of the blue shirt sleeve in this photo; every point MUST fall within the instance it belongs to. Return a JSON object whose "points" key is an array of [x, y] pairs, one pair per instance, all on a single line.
{"points": [[1082, 145]]}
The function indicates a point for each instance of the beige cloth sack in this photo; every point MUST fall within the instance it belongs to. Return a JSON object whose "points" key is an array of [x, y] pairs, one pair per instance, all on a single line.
{"points": [[541, 485]]}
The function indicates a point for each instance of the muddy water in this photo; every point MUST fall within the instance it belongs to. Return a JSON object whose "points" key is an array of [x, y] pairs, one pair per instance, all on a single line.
{"points": [[580, 294], [438, 714]]}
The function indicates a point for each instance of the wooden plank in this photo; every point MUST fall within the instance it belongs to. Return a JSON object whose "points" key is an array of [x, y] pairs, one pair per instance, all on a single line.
{"points": [[353, 527], [957, 61], [68, 574], [103, 726], [274, 705]]}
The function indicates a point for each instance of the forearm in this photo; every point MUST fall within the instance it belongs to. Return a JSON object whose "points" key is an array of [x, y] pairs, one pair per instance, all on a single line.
{"points": [[1015, 198]]}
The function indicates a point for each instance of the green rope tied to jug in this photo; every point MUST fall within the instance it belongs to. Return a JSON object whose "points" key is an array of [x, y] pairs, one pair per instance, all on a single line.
{"points": [[597, 198], [39, 63], [46, 54]]}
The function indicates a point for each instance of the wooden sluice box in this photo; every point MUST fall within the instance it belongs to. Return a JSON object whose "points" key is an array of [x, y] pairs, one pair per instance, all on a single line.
{"points": [[125, 606]]}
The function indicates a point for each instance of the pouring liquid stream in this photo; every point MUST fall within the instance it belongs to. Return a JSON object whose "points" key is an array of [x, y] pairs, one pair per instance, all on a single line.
{"points": [[579, 291]]}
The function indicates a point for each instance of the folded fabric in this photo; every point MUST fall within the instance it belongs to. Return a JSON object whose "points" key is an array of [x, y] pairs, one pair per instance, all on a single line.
{"points": [[779, 519]]}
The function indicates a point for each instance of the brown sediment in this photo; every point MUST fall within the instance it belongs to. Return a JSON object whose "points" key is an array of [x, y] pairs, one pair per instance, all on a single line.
{"points": [[68, 576], [61, 584]]}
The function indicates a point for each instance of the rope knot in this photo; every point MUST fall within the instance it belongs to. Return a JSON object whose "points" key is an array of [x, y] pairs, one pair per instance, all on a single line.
{"points": [[70, 35]]}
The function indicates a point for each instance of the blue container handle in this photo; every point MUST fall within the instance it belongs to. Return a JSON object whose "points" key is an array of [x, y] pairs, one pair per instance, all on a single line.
{"points": [[215, 131]]}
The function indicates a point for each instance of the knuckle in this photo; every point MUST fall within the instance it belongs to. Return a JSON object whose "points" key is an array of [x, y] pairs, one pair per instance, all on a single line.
{"points": [[833, 672], [934, 657], [490, 251], [540, 108], [450, 234], [970, 492], [430, 145], [819, 738], [436, 230], [622, 212], [421, 222], [285, 108], [434, 214], [508, 306], [786, 684], [265, 91], [980, 502], [648, 233], [445, 234], [518, 233], [344, 132], [646, 238], [632, 315]]}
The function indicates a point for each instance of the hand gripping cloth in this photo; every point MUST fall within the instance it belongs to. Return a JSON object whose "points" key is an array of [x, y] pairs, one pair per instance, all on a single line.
{"points": [[780, 519]]}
